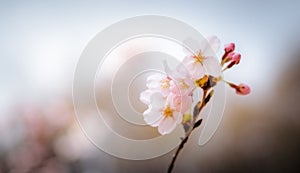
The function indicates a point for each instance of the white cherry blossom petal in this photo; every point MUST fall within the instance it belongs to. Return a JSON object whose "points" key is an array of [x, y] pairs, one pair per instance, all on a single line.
{"points": [[198, 71], [212, 66], [145, 96], [153, 81], [157, 100], [214, 43], [183, 71], [167, 125], [157, 122], [178, 116], [152, 115]]}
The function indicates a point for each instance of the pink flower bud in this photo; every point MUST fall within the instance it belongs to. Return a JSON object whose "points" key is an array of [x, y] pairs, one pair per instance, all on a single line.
{"points": [[229, 47], [230, 56], [227, 57], [243, 89], [236, 58]]}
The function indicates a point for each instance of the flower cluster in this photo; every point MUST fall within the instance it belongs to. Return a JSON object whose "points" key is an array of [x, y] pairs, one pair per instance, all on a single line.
{"points": [[170, 96]]}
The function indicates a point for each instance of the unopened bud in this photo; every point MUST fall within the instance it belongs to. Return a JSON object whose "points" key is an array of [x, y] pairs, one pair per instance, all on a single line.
{"points": [[229, 47], [243, 89], [236, 58]]}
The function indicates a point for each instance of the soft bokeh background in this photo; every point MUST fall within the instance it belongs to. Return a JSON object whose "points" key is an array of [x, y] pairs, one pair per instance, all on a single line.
{"points": [[42, 41]]}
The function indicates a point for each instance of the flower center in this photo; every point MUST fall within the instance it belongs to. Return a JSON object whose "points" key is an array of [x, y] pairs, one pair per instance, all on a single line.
{"points": [[183, 85], [168, 112], [164, 83], [199, 58]]}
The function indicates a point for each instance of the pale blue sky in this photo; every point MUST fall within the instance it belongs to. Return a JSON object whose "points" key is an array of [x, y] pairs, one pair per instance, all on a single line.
{"points": [[42, 41]]}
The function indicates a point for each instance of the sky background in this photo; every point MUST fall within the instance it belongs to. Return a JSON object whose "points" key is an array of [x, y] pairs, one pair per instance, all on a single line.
{"points": [[41, 42]]}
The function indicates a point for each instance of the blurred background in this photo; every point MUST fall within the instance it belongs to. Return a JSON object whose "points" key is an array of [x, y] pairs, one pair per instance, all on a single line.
{"points": [[41, 43]]}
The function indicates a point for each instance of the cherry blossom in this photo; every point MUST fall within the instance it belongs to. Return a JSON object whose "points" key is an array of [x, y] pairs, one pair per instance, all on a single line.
{"points": [[181, 82], [155, 83], [162, 114], [169, 96], [203, 61], [181, 103], [159, 82]]}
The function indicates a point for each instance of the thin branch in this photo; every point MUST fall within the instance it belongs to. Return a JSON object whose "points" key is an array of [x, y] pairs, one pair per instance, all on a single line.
{"points": [[197, 124], [194, 126]]}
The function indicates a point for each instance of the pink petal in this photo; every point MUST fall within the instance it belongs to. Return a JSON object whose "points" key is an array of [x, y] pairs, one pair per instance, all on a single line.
{"points": [[182, 86], [236, 58], [180, 103], [186, 103]]}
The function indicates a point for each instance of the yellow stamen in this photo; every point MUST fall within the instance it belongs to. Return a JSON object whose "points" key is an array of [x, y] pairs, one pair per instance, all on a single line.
{"points": [[199, 58], [183, 85], [168, 112], [201, 82], [164, 83]]}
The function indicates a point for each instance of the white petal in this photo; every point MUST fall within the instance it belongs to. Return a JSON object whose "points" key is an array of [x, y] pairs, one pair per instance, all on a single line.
{"points": [[212, 66], [214, 43], [156, 76], [167, 125], [198, 72], [178, 116], [167, 68], [157, 100], [165, 91], [152, 115], [145, 96], [188, 60], [193, 45], [207, 48], [182, 70], [157, 122], [153, 81]]}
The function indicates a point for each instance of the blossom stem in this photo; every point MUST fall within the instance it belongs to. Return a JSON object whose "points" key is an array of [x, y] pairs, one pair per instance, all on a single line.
{"points": [[230, 84], [224, 69], [195, 124]]}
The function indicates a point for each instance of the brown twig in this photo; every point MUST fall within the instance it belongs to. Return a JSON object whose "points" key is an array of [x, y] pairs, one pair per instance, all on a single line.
{"points": [[194, 126], [197, 124]]}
